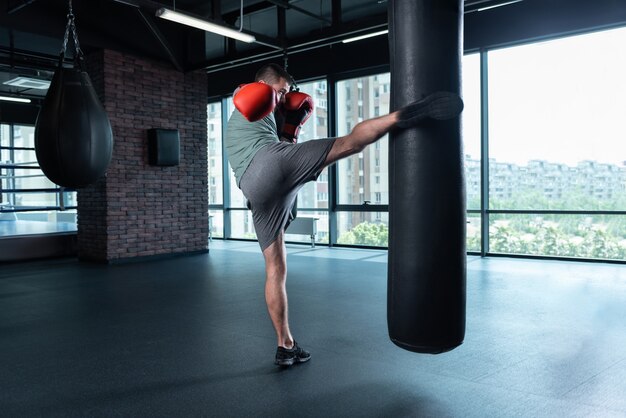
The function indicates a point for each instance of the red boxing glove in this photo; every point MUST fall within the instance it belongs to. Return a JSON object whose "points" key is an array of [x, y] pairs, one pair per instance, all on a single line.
{"points": [[296, 109], [255, 100]]}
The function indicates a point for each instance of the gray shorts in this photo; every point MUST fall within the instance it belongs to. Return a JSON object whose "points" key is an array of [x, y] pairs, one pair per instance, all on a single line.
{"points": [[272, 181]]}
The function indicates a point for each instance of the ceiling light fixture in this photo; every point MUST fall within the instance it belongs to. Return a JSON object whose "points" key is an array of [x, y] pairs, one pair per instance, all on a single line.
{"points": [[195, 22], [14, 99], [369, 35], [29, 83]]}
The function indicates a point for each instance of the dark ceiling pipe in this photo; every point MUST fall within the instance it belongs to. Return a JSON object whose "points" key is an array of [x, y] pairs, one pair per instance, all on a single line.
{"points": [[17, 58], [161, 39], [336, 12], [293, 49], [232, 16], [287, 5], [216, 10], [19, 5]]}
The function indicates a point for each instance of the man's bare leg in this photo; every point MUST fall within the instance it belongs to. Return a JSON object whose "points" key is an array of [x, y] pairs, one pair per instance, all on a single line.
{"points": [[276, 290], [438, 106], [363, 134]]}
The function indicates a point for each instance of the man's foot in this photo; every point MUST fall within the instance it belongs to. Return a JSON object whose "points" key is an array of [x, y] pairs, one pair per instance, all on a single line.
{"points": [[289, 356], [441, 105]]}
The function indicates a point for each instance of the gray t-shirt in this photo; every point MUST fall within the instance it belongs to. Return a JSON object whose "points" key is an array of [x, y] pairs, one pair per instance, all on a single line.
{"points": [[244, 139]]}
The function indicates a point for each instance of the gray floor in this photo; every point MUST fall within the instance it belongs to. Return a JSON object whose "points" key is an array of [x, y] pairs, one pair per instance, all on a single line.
{"points": [[190, 337]]}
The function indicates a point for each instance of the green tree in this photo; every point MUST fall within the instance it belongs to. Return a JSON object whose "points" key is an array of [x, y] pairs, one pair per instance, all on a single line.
{"points": [[366, 233]]}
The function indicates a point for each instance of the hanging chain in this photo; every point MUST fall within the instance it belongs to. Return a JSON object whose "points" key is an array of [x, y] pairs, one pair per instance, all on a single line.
{"points": [[71, 25], [292, 81]]}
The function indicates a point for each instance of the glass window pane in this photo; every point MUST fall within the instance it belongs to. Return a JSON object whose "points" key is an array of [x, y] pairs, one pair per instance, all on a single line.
{"points": [[237, 199], [241, 224], [471, 128], [31, 179], [364, 176], [473, 228], [585, 236], [322, 228], [314, 194], [214, 131], [70, 199], [17, 200], [556, 124], [5, 141], [363, 228], [39, 222], [24, 137], [21, 200], [216, 223]]}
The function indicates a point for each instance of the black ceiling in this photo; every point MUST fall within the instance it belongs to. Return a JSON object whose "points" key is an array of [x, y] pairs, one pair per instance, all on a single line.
{"points": [[31, 31]]}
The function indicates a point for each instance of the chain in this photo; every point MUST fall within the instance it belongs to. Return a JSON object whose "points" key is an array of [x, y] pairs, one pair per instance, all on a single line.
{"points": [[71, 26], [292, 81]]}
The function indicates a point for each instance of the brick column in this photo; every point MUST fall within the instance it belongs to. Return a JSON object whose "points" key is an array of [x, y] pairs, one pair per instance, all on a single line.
{"points": [[138, 210]]}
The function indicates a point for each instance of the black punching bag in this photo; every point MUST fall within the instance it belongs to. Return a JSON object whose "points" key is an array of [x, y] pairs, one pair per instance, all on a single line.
{"points": [[426, 276], [73, 137]]}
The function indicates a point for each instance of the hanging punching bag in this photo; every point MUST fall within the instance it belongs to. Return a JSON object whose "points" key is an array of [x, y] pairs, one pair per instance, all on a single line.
{"points": [[426, 268], [73, 137]]}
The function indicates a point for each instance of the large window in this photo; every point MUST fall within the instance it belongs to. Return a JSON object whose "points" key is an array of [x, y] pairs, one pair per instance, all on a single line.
{"points": [[363, 179], [545, 163], [29, 202], [214, 131], [215, 169], [239, 217], [363, 228], [313, 198], [471, 135], [556, 124]]}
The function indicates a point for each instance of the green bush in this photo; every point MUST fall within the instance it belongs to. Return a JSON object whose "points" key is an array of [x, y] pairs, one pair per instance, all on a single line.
{"points": [[366, 233], [572, 238]]}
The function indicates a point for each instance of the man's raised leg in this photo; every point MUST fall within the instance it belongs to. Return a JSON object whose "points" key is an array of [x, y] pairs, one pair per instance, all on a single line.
{"points": [[363, 134], [437, 106]]}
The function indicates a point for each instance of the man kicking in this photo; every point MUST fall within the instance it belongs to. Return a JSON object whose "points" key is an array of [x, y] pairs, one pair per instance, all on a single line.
{"points": [[270, 167]]}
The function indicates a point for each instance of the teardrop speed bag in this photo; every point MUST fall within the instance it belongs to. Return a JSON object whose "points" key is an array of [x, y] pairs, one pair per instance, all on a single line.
{"points": [[73, 137]]}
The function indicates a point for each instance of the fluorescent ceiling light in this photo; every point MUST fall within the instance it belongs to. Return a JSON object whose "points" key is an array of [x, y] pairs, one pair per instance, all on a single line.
{"points": [[482, 9], [29, 83], [369, 35], [14, 99], [203, 24]]}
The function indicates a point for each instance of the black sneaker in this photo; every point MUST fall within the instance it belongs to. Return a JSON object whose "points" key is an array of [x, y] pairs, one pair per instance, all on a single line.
{"points": [[289, 356], [441, 105]]}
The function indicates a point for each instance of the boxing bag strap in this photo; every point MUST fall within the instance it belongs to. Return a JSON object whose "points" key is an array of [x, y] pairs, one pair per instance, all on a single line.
{"points": [[71, 27]]}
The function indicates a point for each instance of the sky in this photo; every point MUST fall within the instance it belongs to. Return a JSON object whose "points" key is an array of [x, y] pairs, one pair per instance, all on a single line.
{"points": [[562, 100]]}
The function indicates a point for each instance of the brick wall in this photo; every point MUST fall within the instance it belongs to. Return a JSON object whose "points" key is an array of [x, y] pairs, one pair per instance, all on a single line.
{"points": [[139, 210]]}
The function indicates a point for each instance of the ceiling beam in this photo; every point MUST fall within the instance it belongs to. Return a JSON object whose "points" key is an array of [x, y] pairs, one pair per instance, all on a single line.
{"points": [[17, 58], [15, 5], [336, 12], [281, 18], [320, 39], [287, 5], [216, 10], [231, 17], [153, 6], [151, 24]]}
